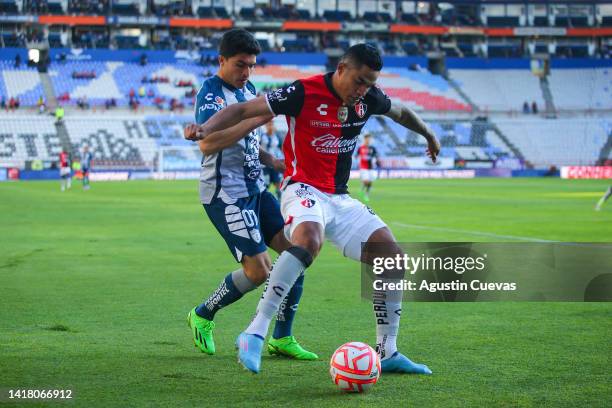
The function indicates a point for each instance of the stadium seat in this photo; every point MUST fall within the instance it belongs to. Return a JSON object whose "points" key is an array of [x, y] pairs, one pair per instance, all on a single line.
{"points": [[505, 21], [22, 83], [8, 7], [546, 142], [581, 88], [510, 87], [205, 12], [540, 21], [411, 19], [123, 9]]}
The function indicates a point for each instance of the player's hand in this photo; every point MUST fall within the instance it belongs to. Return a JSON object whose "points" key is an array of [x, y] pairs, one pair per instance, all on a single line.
{"points": [[433, 148], [190, 132], [279, 165]]}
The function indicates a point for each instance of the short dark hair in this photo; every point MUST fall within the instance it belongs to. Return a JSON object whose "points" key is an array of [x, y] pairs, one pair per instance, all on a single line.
{"points": [[364, 54], [238, 41]]}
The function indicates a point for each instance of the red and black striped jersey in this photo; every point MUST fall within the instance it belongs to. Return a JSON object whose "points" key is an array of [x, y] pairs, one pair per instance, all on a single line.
{"points": [[64, 159], [367, 155], [323, 132]]}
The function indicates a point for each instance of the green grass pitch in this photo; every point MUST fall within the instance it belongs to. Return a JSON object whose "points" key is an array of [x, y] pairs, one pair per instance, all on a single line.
{"points": [[96, 285]]}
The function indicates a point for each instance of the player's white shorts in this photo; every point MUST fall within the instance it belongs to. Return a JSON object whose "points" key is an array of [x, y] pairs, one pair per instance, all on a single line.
{"points": [[368, 174], [64, 171], [342, 216]]}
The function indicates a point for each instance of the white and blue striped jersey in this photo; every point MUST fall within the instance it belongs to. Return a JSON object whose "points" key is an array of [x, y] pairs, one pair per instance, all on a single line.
{"points": [[234, 172]]}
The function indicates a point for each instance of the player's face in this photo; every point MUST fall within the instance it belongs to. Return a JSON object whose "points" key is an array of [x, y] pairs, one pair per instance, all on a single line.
{"points": [[355, 82], [236, 70]]}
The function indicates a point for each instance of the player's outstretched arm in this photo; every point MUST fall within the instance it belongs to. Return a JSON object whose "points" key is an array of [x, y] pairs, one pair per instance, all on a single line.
{"points": [[410, 120], [269, 160], [231, 116], [220, 140]]}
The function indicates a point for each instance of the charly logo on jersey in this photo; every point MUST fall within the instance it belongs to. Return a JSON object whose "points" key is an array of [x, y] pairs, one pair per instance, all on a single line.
{"points": [[342, 113], [361, 109], [216, 103], [331, 144], [321, 109]]}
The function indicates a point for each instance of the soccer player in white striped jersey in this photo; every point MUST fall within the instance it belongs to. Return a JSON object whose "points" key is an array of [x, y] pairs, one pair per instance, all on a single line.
{"points": [[233, 194]]}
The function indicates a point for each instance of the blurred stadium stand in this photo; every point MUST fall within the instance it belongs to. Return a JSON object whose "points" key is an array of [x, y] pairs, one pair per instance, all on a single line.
{"points": [[475, 104]]}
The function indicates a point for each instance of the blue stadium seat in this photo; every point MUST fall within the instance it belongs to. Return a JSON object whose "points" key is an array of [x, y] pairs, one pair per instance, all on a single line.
{"points": [[221, 12], [55, 40], [205, 12], [502, 21], [540, 21], [125, 9], [410, 19], [247, 12], [8, 7], [304, 14]]}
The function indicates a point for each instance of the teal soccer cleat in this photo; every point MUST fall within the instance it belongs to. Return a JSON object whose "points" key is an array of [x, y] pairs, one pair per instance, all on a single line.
{"points": [[399, 363], [249, 351]]}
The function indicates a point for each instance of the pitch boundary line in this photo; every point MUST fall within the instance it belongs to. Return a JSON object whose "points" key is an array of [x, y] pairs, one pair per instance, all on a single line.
{"points": [[480, 233]]}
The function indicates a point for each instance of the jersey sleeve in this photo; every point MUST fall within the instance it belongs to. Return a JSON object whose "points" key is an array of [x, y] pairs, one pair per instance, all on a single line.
{"points": [[208, 102], [374, 152], [287, 100], [378, 101]]}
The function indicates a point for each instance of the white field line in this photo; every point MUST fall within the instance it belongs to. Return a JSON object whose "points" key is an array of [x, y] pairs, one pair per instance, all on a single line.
{"points": [[462, 231]]}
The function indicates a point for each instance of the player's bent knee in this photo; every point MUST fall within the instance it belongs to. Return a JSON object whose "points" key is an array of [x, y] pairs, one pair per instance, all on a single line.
{"points": [[308, 235], [302, 254]]}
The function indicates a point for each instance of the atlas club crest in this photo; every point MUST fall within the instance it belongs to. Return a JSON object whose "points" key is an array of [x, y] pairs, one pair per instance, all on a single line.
{"points": [[361, 109]]}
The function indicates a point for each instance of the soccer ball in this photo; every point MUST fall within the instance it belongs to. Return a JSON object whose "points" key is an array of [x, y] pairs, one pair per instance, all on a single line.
{"points": [[354, 367]]}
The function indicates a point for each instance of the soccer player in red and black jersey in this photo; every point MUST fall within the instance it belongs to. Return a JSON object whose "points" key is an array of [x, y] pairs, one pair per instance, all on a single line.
{"points": [[65, 172], [368, 163], [325, 114]]}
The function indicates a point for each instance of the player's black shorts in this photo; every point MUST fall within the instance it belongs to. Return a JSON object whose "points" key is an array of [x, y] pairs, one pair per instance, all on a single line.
{"points": [[271, 176], [247, 224]]}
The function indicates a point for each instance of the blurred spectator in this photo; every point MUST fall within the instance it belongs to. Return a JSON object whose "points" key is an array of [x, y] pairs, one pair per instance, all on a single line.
{"points": [[3, 103], [175, 104], [132, 94], [133, 103], [65, 97], [59, 113], [534, 108], [150, 93], [159, 102], [13, 103], [41, 105], [143, 60], [83, 103], [17, 61], [141, 92], [526, 107]]}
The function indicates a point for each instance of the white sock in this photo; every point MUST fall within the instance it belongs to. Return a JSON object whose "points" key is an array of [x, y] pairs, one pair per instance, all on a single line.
{"points": [[285, 272], [387, 312]]}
